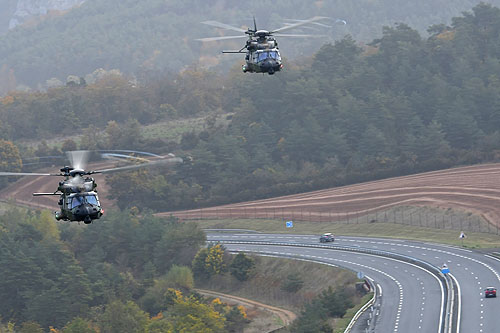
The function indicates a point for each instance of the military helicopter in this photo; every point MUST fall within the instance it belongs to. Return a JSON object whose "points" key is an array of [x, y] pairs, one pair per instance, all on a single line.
{"points": [[262, 52], [78, 199]]}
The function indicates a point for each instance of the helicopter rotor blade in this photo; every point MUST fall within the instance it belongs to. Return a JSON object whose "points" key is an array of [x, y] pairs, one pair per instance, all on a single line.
{"points": [[211, 39], [136, 152], [78, 158], [254, 25], [123, 157], [298, 24], [172, 160], [223, 26], [300, 36], [315, 23], [27, 174]]}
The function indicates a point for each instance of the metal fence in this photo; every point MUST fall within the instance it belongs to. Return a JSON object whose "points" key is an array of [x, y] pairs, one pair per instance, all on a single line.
{"points": [[416, 216]]}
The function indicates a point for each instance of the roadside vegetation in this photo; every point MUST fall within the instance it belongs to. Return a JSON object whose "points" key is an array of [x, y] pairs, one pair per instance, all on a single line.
{"points": [[320, 294]]}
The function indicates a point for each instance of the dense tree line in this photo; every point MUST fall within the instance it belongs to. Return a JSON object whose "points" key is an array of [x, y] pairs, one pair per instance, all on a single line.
{"points": [[113, 104], [152, 35], [122, 274]]}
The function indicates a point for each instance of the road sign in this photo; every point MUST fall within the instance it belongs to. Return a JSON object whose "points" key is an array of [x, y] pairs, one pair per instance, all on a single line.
{"points": [[360, 275], [289, 224], [462, 235], [444, 269]]}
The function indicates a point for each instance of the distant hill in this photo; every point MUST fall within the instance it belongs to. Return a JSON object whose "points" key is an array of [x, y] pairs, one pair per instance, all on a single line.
{"points": [[18, 12], [148, 36], [7, 9]]}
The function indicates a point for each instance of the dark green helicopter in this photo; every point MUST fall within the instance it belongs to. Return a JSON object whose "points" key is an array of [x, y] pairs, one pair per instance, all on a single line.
{"points": [[78, 199], [262, 52]]}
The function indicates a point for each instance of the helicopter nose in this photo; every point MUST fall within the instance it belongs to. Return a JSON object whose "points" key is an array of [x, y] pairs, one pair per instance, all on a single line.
{"points": [[82, 210], [86, 213], [269, 64]]}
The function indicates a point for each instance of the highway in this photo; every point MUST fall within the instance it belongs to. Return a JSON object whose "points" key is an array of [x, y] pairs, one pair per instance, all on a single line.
{"points": [[411, 297]]}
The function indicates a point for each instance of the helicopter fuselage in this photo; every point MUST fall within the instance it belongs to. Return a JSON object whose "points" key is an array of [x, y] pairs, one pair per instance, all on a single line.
{"points": [[263, 55], [79, 207], [263, 61], [78, 200]]}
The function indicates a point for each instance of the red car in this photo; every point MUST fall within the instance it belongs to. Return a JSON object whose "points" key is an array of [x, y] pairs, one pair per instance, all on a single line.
{"points": [[490, 292]]}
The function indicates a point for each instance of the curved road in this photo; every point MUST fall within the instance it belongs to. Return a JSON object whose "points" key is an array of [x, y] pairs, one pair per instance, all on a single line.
{"points": [[411, 294]]}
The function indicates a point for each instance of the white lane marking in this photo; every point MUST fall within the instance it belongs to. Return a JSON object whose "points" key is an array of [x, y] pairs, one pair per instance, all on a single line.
{"points": [[400, 287], [449, 253]]}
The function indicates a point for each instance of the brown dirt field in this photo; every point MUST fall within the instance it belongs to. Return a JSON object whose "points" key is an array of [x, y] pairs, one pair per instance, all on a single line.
{"points": [[474, 189]]}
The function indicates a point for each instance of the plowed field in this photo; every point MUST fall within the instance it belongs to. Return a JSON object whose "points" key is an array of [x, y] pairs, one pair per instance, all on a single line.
{"points": [[474, 189]]}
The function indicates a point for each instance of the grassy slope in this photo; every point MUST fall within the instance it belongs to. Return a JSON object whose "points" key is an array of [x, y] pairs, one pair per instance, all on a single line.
{"points": [[171, 130], [388, 230], [264, 286]]}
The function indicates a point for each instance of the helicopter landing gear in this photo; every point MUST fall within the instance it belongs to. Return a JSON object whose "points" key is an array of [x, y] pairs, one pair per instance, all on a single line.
{"points": [[271, 72], [244, 68], [58, 216], [87, 220]]}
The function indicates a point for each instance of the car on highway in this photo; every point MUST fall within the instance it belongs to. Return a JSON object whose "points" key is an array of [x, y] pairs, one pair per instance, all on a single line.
{"points": [[327, 237], [490, 292]]}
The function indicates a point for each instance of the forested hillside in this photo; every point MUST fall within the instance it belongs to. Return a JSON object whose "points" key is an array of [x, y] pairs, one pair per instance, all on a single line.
{"points": [[144, 37], [403, 104], [119, 276]]}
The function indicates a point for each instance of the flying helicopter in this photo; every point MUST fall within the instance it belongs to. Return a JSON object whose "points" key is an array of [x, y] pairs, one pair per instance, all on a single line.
{"points": [[78, 199], [262, 52]]}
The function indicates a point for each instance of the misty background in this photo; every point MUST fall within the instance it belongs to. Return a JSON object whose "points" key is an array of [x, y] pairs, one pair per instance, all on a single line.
{"points": [[45, 39]]}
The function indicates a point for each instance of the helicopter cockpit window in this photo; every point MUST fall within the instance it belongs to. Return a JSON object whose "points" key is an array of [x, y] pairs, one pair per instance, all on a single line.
{"points": [[80, 200], [77, 201], [92, 199], [262, 56], [273, 54]]}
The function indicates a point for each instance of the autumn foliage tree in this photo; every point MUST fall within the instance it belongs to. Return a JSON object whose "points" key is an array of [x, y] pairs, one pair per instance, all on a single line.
{"points": [[209, 261], [189, 314]]}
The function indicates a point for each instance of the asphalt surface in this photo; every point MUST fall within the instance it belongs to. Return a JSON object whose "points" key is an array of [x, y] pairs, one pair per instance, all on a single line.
{"points": [[411, 297]]}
